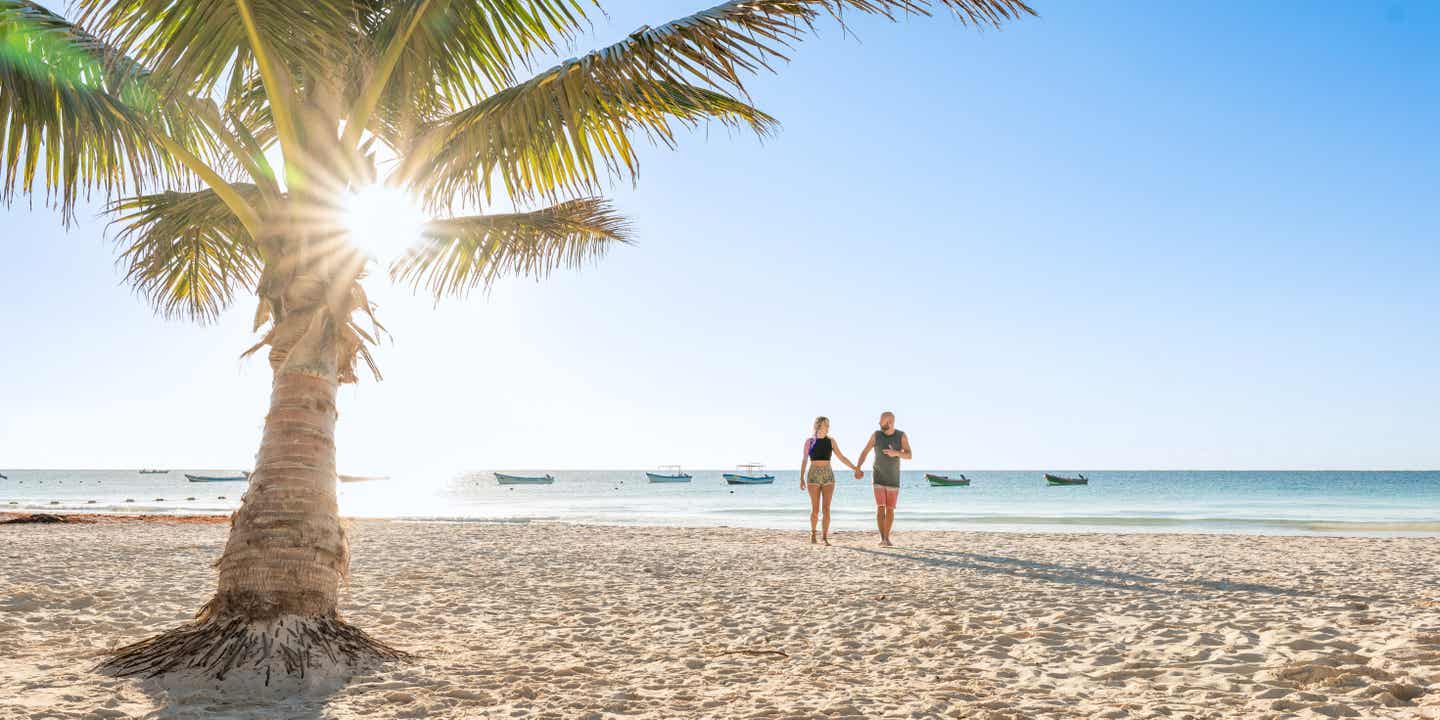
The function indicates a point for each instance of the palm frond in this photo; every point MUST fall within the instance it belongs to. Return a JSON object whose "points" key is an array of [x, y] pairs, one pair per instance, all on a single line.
{"points": [[186, 253], [458, 255], [563, 132], [723, 44], [66, 121], [569, 129], [463, 50], [191, 45]]}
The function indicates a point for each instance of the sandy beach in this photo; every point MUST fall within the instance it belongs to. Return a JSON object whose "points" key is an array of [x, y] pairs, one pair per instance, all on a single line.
{"points": [[567, 621]]}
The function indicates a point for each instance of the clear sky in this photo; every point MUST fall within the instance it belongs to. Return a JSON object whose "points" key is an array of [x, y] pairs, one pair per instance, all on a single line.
{"points": [[1123, 235]]}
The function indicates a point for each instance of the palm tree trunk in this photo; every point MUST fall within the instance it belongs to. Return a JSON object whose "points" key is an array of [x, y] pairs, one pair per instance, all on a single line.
{"points": [[274, 611]]}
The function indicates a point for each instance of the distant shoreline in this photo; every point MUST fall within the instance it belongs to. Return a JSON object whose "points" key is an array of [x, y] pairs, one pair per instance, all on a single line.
{"points": [[1374, 504], [787, 464]]}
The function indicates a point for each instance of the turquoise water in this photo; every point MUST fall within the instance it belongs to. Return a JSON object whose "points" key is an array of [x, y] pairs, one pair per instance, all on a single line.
{"points": [[1296, 502]]}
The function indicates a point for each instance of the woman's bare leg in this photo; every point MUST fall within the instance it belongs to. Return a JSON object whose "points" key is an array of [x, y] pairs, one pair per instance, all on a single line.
{"points": [[814, 508], [827, 492]]}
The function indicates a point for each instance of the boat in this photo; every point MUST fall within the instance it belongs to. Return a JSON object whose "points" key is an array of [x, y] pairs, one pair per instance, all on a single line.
{"points": [[504, 479], [218, 478], [669, 474], [3, 476], [1058, 480], [362, 478], [750, 474], [946, 480], [154, 472]]}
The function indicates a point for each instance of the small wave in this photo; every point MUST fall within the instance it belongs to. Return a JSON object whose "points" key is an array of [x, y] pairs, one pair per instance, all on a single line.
{"points": [[517, 520]]}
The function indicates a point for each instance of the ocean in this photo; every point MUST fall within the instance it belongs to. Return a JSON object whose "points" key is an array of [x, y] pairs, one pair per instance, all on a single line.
{"points": [[1259, 502]]}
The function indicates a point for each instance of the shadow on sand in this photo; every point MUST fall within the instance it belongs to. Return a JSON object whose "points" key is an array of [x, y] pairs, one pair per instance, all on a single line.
{"points": [[1086, 576], [186, 696]]}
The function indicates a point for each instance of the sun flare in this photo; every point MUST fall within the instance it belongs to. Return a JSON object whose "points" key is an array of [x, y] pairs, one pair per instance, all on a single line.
{"points": [[383, 222]]}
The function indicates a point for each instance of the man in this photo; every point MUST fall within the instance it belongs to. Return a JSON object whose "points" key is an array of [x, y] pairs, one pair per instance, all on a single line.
{"points": [[891, 446]]}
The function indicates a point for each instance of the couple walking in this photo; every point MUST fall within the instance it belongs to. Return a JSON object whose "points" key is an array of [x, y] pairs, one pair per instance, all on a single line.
{"points": [[816, 475]]}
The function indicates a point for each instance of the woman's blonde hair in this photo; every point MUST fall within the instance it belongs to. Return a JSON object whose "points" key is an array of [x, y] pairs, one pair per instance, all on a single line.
{"points": [[819, 419]]}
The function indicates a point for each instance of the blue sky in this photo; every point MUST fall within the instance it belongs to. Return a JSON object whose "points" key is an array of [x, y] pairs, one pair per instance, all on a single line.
{"points": [[1122, 235]]}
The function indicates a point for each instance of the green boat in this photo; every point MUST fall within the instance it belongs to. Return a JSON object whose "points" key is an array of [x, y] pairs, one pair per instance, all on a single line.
{"points": [[947, 481], [1058, 480]]}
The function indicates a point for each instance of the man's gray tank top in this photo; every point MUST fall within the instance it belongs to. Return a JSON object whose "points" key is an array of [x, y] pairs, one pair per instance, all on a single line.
{"points": [[887, 469]]}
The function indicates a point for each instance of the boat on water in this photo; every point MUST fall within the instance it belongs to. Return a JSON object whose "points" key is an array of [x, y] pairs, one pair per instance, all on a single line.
{"points": [[362, 478], [3, 476], [504, 479], [149, 471], [1059, 480], [669, 474], [946, 480], [749, 474], [218, 478]]}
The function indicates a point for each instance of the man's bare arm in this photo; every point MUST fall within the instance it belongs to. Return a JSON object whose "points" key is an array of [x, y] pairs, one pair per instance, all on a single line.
{"points": [[864, 453]]}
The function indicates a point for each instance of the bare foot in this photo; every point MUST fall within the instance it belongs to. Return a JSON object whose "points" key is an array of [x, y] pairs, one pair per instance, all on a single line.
{"points": [[887, 543], [826, 540], [812, 537]]}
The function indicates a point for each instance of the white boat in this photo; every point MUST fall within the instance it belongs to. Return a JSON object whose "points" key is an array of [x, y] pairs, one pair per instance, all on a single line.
{"points": [[504, 479], [154, 472], [749, 474], [669, 474]]}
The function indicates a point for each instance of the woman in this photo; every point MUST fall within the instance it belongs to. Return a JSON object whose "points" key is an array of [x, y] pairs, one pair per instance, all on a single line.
{"points": [[817, 477]]}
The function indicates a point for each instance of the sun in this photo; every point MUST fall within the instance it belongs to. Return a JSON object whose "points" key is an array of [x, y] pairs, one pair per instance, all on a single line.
{"points": [[383, 222]]}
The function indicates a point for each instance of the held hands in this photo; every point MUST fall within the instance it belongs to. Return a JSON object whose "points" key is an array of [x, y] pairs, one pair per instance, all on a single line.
{"points": [[859, 474]]}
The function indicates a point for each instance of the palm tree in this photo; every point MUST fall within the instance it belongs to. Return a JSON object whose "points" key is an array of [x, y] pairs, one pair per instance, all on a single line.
{"points": [[168, 109]]}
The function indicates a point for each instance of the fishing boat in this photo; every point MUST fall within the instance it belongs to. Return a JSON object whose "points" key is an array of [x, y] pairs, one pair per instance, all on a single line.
{"points": [[669, 474], [504, 479], [362, 478], [218, 478], [1058, 480], [749, 474], [154, 472], [946, 480]]}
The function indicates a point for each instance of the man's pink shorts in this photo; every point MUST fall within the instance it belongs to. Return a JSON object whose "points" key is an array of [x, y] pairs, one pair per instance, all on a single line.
{"points": [[886, 496]]}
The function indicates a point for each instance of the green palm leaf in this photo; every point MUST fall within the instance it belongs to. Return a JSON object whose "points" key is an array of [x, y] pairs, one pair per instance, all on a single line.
{"points": [[463, 50], [461, 254], [562, 132], [569, 128], [186, 253], [723, 44], [194, 44], [65, 120]]}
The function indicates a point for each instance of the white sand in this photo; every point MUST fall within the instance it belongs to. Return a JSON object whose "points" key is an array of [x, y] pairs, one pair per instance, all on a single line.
{"points": [[566, 622]]}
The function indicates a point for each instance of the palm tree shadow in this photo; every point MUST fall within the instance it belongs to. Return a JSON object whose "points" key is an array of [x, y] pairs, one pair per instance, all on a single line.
{"points": [[186, 697], [1087, 576]]}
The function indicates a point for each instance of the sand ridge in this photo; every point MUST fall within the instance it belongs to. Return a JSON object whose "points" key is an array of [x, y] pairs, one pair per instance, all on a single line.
{"points": [[553, 620]]}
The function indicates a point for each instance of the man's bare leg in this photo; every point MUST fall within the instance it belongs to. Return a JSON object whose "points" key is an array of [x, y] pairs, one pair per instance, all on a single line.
{"points": [[880, 524], [889, 523]]}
